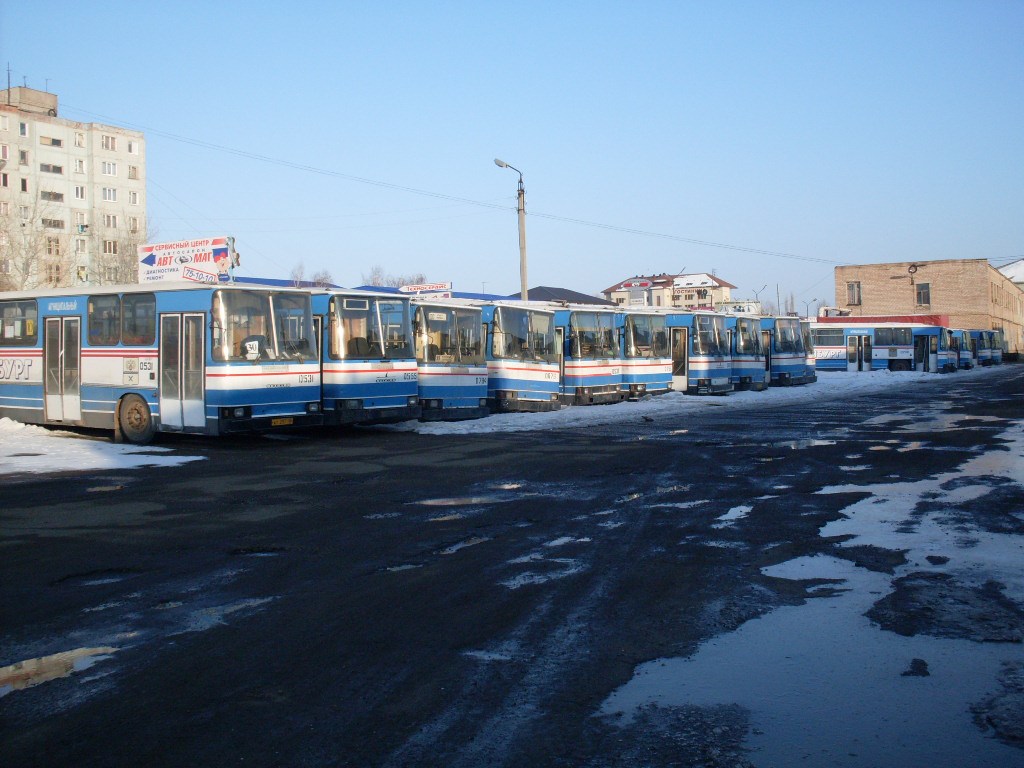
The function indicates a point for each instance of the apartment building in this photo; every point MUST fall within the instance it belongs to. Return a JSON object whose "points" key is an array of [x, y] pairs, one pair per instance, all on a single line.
{"points": [[72, 196], [693, 291], [973, 293]]}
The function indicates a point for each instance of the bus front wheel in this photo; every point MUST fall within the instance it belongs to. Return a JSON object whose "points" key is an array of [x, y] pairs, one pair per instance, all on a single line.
{"points": [[135, 420]]}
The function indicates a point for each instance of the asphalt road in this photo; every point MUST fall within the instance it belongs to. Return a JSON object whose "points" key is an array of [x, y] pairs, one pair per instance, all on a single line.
{"points": [[376, 598]]}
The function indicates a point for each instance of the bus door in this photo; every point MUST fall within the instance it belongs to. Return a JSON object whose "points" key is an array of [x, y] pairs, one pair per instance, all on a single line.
{"points": [[922, 358], [680, 359], [560, 346], [62, 348], [766, 345], [858, 353], [182, 396]]}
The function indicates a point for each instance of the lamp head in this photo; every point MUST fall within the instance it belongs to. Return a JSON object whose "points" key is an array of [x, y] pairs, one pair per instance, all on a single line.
{"points": [[500, 163]]}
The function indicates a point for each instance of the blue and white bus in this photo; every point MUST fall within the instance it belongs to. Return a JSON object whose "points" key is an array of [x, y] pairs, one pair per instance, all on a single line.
{"points": [[749, 367], [701, 363], [522, 358], [591, 358], [810, 362], [785, 345], [160, 358], [451, 368], [869, 346], [981, 342], [997, 342], [646, 355], [369, 366], [960, 340]]}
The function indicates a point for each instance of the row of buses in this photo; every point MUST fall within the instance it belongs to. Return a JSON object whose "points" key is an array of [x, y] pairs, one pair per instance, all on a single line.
{"points": [[907, 343], [217, 359]]}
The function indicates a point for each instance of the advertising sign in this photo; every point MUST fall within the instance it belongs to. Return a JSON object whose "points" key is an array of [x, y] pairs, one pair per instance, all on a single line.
{"points": [[426, 288], [205, 260]]}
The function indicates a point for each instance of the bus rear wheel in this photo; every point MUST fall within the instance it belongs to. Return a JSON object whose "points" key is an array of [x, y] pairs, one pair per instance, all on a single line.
{"points": [[135, 420]]}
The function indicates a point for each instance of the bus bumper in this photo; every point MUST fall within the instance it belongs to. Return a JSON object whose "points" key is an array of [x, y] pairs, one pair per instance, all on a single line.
{"points": [[510, 402]]}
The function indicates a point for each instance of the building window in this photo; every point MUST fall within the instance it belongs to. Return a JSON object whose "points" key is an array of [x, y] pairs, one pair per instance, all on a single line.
{"points": [[853, 293], [79, 245], [110, 220], [53, 197], [52, 246], [79, 166], [3, 179], [109, 142], [23, 129], [5, 124], [79, 139], [133, 147], [51, 142], [51, 168], [4, 152], [924, 294], [80, 220], [133, 171], [133, 223], [108, 169], [24, 212], [133, 198], [110, 247], [79, 193], [24, 185], [109, 195], [53, 223], [22, 157], [53, 272], [5, 209]]}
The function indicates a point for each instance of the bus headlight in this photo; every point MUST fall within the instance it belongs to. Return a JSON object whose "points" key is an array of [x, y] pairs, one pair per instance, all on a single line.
{"points": [[312, 407], [412, 400]]}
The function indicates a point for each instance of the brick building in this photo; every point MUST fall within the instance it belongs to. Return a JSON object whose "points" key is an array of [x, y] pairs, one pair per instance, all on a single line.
{"points": [[973, 293]]}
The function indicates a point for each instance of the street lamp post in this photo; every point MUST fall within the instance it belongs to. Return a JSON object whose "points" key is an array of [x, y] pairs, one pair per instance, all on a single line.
{"points": [[807, 308], [757, 297], [521, 207]]}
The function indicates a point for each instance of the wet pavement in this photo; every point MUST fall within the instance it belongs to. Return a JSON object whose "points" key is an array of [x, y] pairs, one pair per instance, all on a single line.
{"points": [[838, 583]]}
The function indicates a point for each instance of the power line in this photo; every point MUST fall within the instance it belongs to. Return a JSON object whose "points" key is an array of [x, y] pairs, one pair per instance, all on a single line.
{"points": [[454, 198]]}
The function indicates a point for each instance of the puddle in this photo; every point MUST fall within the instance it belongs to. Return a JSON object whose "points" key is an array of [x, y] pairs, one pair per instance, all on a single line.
{"points": [[797, 444], [462, 501], [736, 513], [208, 618], [823, 683], [826, 687], [446, 518], [463, 544], [561, 542], [563, 567], [403, 567], [31, 672]]}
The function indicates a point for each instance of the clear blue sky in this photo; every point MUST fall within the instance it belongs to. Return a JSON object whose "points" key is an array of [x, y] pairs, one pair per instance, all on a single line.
{"points": [[834, 132]]}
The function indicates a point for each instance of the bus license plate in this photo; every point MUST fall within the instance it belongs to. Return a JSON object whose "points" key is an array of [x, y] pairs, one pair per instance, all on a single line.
{"points": [[282, 422]]}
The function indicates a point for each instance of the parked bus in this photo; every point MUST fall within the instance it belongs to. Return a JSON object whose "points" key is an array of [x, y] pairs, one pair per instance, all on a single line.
{"points": [[369, 367], [997, 342], [590, 360], [701, 364], [646, 356], [522, 360], [960, 340], [451, 368], [982, 344], [810, 366], [784, 344], [870, 346], [749, 368], [160, 358], [932, 351]]}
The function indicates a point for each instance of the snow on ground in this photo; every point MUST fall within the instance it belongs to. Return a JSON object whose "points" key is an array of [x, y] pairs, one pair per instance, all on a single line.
{"points": [[27, 448]]}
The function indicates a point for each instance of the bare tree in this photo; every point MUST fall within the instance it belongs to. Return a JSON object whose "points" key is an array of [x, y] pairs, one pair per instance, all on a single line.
{"points": [[35, 248], [298, 274], [322, 278], [378, 277], [114, 250]]}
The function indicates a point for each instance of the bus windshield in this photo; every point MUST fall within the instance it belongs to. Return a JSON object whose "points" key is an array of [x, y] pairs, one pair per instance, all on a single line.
{"points": [[262, 325], [523, 334], [748, 336], [448, 335], [646, 336], [787, 336], [593, 335], [709, 335], [369, 327]]}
